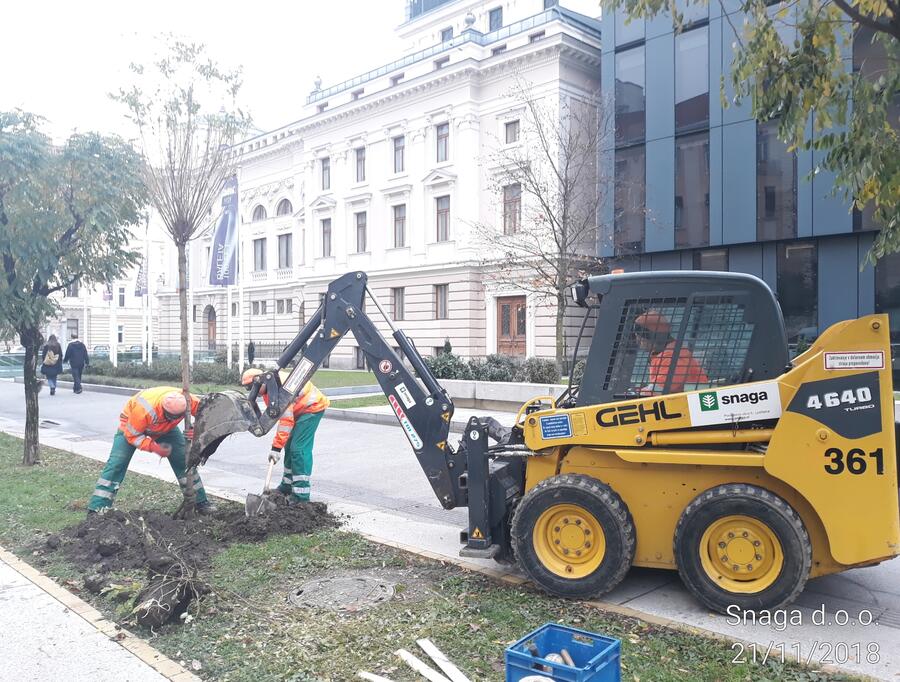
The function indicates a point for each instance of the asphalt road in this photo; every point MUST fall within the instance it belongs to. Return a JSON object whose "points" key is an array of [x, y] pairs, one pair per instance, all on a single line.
{"points": [[371, 469]]}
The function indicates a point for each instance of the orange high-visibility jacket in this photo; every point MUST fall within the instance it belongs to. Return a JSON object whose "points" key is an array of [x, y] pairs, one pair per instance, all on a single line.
{"points": [[687, 370], [143, 416], [310, 401]]}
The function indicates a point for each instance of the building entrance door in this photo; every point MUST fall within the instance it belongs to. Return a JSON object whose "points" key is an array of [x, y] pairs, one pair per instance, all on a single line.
{"points": [[511, 325], [211, 327]]}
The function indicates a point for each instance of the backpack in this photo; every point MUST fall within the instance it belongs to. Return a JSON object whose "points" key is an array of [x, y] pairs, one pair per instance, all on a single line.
{"points": [[51, 358]]}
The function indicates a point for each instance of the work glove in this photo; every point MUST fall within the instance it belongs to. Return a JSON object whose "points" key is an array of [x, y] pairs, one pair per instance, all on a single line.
{"points": [[274, 456], [189, 434], [163, 450]]}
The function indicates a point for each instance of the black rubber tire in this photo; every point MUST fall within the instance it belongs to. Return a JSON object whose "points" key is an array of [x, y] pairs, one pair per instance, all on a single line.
{"points": [[606, 507], [757, 503]]}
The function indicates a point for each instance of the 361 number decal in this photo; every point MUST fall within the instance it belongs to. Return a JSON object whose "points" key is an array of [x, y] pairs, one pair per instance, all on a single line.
{"points": [[856, 462], [835, 399]]}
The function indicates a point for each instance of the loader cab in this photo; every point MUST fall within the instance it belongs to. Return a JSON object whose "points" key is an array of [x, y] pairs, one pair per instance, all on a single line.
{"points": [[672, 331]]}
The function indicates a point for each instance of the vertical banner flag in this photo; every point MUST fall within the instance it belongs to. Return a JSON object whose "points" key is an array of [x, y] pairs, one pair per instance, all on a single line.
{"points": [[107, 292], [140, 285], [223, 260]]}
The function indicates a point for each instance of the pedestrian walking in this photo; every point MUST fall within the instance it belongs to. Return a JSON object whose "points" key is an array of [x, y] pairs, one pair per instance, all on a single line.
{"points": [[149, 422], [51, 362], [77, 357], [295, 435]]}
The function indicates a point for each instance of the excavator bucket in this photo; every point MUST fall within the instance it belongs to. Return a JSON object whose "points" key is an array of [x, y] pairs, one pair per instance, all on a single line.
{"points": [[218, 416]]}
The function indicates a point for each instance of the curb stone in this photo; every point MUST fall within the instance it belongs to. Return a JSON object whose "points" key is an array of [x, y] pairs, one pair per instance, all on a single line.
{"points": [[161, 663]]}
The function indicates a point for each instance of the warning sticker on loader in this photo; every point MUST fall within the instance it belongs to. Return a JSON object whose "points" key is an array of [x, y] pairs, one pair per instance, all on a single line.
{"points": [[405, 395], [411, 433], [867, 359], [740, 404], [556, 426]]}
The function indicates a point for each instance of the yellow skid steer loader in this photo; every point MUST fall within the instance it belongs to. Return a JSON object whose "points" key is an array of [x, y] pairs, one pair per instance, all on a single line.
{"points": [[691, 442]]}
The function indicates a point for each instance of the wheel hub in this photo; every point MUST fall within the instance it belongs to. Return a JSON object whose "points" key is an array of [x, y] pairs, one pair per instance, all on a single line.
{"points": [[741, 553], [569, 541]]}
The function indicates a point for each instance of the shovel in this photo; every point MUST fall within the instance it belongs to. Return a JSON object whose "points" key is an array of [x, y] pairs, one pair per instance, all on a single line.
{"points": [[260, 504]]}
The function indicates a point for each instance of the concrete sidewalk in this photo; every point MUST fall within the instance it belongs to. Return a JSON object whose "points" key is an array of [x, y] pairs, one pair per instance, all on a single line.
{"points": [[50, 634]]}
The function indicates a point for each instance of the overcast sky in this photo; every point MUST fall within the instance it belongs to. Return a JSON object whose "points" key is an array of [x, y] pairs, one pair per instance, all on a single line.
{"points": [[60, 59]]}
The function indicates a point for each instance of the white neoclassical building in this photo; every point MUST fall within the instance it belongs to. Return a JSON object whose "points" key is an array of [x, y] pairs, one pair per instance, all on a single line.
{"points": [[386, 173]]}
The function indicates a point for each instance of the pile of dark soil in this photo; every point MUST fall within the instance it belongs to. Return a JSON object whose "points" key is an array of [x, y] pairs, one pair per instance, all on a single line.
{"points": [[285, 519]]}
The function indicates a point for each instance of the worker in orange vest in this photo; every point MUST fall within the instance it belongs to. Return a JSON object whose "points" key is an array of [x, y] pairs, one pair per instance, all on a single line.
{"points": [[654, 335], [149, 422], [295, 435]]}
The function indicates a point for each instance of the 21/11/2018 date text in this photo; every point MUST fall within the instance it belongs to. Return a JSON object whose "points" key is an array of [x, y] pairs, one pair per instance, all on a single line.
{"points": [[817, 653]]}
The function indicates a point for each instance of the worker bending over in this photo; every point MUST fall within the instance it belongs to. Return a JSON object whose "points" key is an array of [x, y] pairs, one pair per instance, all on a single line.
{"points": [[295, 435], [654, 335], [149, 422]]}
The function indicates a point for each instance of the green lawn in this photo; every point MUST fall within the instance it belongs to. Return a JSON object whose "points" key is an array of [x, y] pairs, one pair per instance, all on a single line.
{"points": [[367, 401], [246, 630]]}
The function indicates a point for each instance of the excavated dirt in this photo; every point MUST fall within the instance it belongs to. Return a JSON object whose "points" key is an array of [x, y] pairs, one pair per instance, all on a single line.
{"points": [[300, 518]]}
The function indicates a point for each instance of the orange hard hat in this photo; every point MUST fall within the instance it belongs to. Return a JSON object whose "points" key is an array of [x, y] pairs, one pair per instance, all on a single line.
{"points": [[249, 375], [653, 322], [174, 403]]}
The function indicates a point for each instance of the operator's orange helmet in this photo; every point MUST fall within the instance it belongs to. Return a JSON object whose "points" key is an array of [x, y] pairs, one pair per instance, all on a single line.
{"points": [[174, 404], [653, 322], [249, 375]]}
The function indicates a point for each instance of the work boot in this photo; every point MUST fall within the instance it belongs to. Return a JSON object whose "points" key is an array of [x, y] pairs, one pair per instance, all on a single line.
{"points": [[206, 508], [294, 501]]}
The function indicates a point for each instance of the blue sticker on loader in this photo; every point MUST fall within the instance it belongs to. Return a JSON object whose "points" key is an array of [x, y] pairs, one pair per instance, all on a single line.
{"points": [[556, 426]]}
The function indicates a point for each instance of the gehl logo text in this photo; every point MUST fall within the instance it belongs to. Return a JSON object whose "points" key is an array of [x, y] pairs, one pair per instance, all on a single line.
{"points": [[634, 414]]}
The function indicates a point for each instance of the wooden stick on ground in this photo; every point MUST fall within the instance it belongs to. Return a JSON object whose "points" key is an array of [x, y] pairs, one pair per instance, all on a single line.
{"points": [[444, 663], [372, 677], [420, 667]]}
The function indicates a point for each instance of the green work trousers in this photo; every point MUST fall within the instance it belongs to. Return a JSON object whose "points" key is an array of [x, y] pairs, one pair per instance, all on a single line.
{"points": [[298, 456], [114, 472]]}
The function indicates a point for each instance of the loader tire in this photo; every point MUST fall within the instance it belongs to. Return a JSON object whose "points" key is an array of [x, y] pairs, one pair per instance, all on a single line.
{"points": [[742, 546], [573, 536]]}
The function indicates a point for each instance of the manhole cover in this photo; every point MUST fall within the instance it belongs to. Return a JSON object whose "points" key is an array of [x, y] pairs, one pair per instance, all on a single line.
{"points": [[350, 593], [47, 423]]}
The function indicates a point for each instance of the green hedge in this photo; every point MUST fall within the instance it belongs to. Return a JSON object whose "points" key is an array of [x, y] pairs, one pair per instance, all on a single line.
{"points": [[167, 370], [494, 367]]}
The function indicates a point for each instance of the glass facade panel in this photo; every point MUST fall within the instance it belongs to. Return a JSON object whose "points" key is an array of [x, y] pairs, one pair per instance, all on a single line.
{"points": [[630, 31], [713, 259], [776, 185], [629, 201], [630, 83], [692, 79], [798, 291], [887, 293], [692, 190]]}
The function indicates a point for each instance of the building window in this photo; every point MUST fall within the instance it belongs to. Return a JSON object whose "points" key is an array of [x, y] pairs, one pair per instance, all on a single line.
{"points": [[254, 307], [120, 334], [512, 208], [194, 313], [399, 225], [322, 107], [71, 328], [121, 297], [441, 292], [798, 289], [234, 310], [326, 237], [326, 172], [259, 213], [397, 301], [534, 37], [442, 212], [285, 249], [511, 128], [692, 190], [887, 291], [263, 307], [396, 79], [495, 19], [284, 208], [629, 201], [550, 3], [630, 95], [360, 232], [399, 150], [361, 164], [72, 290], [360, 358], [446, 34], [500, 49], [356, 94], [712, 259], [279, 306], [692, 79], [776, 185], [289, 306], [441, 63], [259, 254], [628, 31], [443, 142]]}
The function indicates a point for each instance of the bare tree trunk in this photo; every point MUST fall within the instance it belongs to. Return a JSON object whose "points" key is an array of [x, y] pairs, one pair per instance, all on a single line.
{"points": [[31, 339], [561, 328], [188, 506]]}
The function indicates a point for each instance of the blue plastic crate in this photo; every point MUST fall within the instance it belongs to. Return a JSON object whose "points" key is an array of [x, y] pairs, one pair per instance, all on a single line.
{"points": [[596, 658]]}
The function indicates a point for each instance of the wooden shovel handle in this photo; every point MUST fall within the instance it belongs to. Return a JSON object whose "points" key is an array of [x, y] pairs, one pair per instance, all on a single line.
{"points": [[269, 476]]}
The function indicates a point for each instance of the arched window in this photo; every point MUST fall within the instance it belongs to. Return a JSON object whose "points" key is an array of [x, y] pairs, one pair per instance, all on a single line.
{"points": [[284, 207], [259, 213]]}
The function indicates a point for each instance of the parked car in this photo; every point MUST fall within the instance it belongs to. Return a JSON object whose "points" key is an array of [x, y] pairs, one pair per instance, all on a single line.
{"points": [[100, 348]]}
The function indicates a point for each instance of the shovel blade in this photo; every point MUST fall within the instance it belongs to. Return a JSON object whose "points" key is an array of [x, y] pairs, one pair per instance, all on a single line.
{"points": [[258, 504], [218, 416]]}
